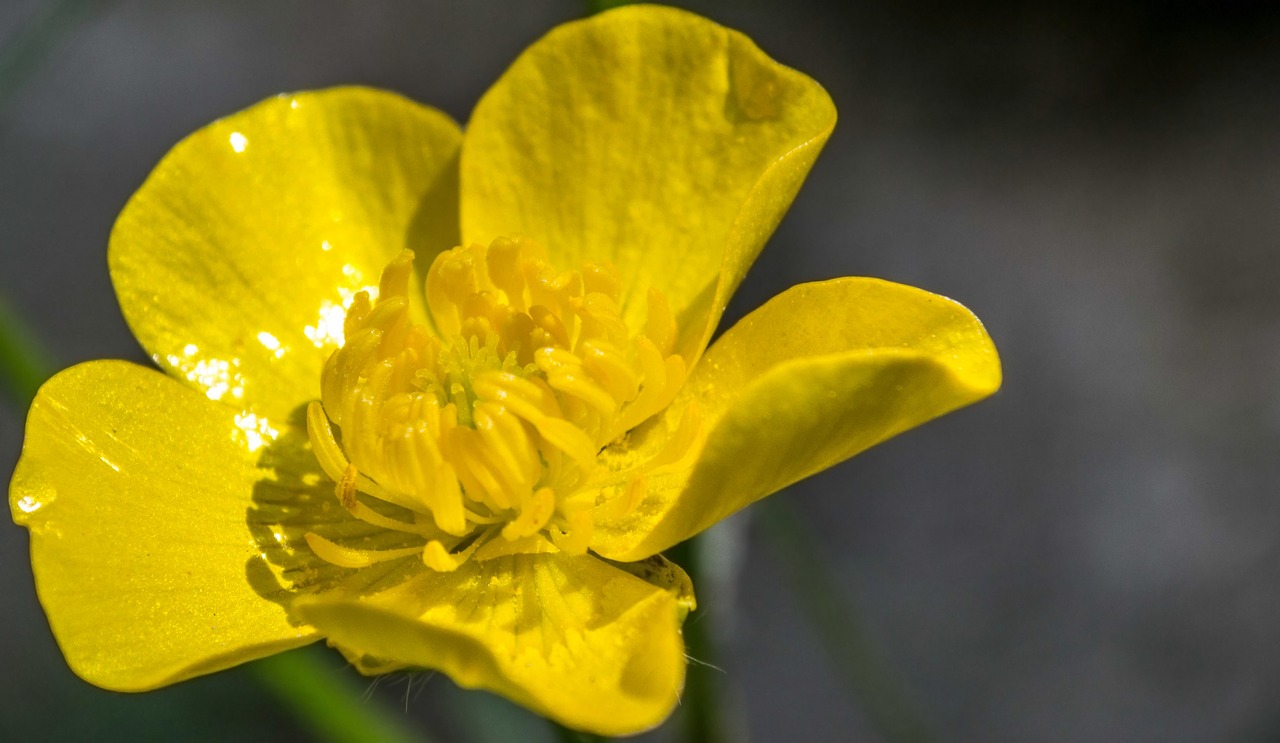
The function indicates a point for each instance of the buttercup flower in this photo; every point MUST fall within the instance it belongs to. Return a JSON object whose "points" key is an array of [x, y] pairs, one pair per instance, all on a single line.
{"points": [[465, 458]]}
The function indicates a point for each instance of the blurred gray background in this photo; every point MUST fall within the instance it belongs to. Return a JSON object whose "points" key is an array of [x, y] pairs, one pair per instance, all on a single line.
{"points": [[1092, 555]]}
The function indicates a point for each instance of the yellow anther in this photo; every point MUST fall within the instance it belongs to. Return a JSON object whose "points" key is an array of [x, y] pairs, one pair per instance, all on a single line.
{"points": [[545, 320], [334, 462], [436, 557], [662, 380], [503, 261], [601, 279], [491, 423], [536, 510], [450, 281], [517, 337], [387, 313], [346, 487], [575, 536], [660, 325], [395, 277], [625, 500], [447, 505], [511, 454], [565, 374], [476, 326], [610, 369], [557, 292], [360, 308], [635, 493], [681, 442], [602, 318]]}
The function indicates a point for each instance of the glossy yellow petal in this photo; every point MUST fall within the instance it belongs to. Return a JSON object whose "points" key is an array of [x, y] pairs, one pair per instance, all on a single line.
{"points": [[235, 259], [816, 375], [137, 492], [571, 637], [649, 137]]}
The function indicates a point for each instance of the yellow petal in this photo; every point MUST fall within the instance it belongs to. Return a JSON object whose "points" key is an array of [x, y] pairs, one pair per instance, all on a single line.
{"points": [[816, 375], [661, 572], [571, 637], [651, 138], [235, 258], [137, 492]]}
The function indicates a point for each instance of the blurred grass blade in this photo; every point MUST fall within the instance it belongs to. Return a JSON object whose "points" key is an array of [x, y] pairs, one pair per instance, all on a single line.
{"points": [[23, 365], [23, 53], [700, 703], [330, 706], [838, 627]]}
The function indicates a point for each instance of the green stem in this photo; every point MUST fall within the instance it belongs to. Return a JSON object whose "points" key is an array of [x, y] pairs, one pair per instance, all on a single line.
{"points": [[838, 626], [328, 704], [700, 703]]}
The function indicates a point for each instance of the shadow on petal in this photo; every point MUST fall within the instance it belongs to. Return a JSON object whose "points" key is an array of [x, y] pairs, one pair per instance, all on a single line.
{"points": [[433, 228], [295, 497]]}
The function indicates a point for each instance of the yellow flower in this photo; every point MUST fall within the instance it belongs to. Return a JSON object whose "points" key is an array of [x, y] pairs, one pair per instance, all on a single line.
{"points": [[479, 477]]}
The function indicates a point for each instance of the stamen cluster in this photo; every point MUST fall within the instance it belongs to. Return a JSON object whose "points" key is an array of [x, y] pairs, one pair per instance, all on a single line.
{"points": [[486, 431]]}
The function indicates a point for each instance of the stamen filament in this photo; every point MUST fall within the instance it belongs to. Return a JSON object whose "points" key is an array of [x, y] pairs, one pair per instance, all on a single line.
{"points": [[335, 464], [346, 557]]}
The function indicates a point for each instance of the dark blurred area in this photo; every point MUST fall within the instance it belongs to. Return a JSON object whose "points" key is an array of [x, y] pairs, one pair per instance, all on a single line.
{"points": [[1089, 556]]}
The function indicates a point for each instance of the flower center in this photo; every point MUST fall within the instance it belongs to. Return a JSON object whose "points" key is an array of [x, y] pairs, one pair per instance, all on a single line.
{"points": [[483, 436]]}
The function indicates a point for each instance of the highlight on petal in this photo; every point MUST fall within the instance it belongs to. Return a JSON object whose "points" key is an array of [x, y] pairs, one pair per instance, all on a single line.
{"points": [[651, 138], [135, 490], [816, 375], [571, 637], [236, 259]]}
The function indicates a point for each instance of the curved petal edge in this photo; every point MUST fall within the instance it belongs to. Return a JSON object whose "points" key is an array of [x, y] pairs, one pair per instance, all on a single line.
{"points": [[818, 374], [573, 638], [654, 139], [135, 488], [234, 262]]}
